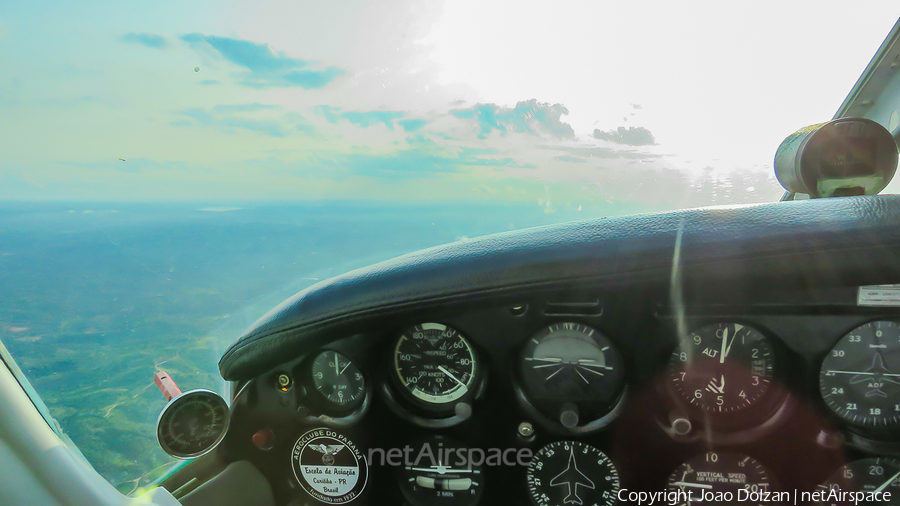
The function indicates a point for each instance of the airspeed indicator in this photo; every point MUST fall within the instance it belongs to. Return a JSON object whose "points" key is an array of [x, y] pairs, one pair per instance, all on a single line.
{"points": [[434, 364]]}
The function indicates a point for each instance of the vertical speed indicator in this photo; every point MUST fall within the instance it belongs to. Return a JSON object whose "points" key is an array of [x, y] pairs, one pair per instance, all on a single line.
{"points": [[434, 364], [719, 479]]}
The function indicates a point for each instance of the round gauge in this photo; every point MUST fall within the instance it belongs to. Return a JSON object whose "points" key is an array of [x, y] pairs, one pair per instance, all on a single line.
{"points": [[192, 424], [337, 381], [569, 365], [715, 478], [571, 472], [723, 367], [869, 476], [439, 472], [434, 364], [860, 377]]}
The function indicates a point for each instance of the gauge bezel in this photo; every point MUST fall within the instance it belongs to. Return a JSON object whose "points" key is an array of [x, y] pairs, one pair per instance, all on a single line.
{"points": [[322, 403], [608, 463], [772, 405], [765, 471], [833, 478], [179, 399], [473, 391], [872, 436], [607, 413]]}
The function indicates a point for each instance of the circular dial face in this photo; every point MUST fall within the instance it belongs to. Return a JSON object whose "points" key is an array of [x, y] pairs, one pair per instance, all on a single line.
{"points": [[723, 367], [192, 423], [439, 472], [715, 478], [867, 476], [860, 376], [337, 380], [434, 363], [571, 363], [571, 472]]}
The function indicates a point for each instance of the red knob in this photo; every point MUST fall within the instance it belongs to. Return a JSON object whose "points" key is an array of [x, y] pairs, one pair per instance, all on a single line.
{"points": [[166, 385], [262, 439]]}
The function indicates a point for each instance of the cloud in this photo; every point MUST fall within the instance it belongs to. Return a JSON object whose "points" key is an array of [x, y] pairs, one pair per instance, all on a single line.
{"points": [[632, 136], [151, 40], [300, 123], [422, 158], [412, 125], [231, 117], [362, 119], [598, 152], [256, 106], [129, 166], [255, 57], [265, 67], [529, 116], [208, 82], [422, 161], [571, 159], [307, 79]]}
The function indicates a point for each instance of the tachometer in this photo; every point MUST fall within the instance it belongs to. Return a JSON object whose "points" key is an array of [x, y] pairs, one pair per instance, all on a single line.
{"points": [[716, 478], [868, 476], [860, 377], [723, 367], [571, 472], [434, 365], [192, 423]]}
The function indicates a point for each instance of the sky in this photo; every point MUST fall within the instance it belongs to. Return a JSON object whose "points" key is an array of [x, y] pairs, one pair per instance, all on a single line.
{"points": [[669, 104]]}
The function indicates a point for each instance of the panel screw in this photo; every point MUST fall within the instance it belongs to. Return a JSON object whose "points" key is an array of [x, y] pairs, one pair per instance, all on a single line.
{"points": [[284, 382], [518, 310], [526, 430]]}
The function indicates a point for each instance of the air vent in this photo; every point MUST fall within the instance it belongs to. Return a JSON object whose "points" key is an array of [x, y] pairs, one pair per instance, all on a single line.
{"points": [[579, 307]]}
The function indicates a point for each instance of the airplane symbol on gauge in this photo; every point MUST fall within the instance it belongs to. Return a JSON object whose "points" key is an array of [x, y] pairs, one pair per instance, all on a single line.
{"points": [[572, 478]]}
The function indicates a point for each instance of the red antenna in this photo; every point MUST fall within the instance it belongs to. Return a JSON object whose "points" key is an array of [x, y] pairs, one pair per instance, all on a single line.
{"points": [[166, 385]]}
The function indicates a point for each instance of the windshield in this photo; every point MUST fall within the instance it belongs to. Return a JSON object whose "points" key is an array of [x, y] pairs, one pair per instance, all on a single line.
{"points": [[171, 171]]}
